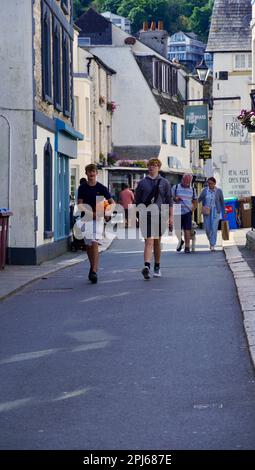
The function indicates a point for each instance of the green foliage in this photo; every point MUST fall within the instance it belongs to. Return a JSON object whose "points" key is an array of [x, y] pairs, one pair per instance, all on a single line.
{"points": [[186, 15]]}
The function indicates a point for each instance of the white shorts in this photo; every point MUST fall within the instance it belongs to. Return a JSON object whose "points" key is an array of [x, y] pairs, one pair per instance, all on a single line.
{"points": [[90, 231]]}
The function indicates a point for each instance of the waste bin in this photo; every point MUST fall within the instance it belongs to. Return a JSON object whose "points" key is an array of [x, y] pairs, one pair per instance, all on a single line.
{"points": [[245, 212], [231, 207], [4, 223]]}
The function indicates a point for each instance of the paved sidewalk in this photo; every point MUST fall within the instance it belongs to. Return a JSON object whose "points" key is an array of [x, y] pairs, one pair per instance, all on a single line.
{"points": [[14, 278], [242, 264]]}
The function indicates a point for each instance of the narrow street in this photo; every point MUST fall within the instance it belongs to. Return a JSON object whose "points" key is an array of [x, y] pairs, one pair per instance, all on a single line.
{"points": [[128, 363]]}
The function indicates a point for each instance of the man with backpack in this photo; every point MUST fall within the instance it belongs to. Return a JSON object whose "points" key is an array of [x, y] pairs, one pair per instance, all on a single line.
{"points": [[185, 195], [153, 192]]}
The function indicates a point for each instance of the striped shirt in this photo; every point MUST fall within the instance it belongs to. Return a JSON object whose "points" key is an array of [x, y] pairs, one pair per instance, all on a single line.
{"points": [[187, 195]]}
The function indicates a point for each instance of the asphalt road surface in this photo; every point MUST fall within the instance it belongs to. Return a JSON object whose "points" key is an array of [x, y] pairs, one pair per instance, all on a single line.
{"points": [[128, 363]]}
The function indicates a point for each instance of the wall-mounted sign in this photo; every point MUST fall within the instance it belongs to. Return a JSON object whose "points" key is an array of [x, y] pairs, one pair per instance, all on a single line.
{"points": [[196, 122], [234, 131], [205, 149]]}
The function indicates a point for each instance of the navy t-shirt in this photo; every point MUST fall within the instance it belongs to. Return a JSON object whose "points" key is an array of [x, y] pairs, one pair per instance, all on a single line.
{"points": [[88, 193]]}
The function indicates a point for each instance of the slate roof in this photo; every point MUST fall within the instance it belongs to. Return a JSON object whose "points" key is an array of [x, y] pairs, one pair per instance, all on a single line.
{"points": [[91, 21], [167, 104], [230, 26]]}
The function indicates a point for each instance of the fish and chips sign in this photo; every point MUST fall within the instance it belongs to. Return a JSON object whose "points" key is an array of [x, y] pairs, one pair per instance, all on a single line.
{"points": [[196, 122]]}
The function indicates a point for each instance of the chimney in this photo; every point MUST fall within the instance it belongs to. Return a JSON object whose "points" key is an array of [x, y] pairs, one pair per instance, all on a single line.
{"points": [[145, 26], [153, 25], [160, 25]]}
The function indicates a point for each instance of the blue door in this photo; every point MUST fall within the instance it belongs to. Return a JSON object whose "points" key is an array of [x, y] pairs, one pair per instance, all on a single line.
{"points": [[62, 227]]}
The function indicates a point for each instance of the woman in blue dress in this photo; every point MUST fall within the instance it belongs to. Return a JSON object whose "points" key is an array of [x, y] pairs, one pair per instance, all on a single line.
{"points": [[213, 209]]}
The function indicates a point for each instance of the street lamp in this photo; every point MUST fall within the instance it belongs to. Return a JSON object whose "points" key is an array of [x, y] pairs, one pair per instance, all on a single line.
{"points": [[202, 71]]}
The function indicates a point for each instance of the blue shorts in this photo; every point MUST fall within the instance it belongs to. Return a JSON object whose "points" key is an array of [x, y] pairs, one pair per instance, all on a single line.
{"points": [[186, 221]]}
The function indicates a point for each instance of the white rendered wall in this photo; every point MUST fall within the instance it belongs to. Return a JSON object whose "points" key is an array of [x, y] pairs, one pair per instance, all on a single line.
{"points": [[136, 119], [16, 91], [231, 143]]}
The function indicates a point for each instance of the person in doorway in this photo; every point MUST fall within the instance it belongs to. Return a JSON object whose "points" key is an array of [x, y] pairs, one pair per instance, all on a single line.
{"points": [[185, 195], [88, 194], [126, 197], [213, 209], [155, 190]]}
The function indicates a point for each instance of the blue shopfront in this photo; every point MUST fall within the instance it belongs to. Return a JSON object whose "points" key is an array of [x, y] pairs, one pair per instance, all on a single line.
{"points": [[65, 149]]}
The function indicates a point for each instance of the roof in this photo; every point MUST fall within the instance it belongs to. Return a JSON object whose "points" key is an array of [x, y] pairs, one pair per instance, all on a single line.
{"points": [[230, 26], [103, 64], [91, 21], [169, 105]]}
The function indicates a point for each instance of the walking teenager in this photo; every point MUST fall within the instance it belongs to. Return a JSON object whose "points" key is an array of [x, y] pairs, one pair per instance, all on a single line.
{"points": [[185, 195], [213, 209], [154, 189], [87, 194]]}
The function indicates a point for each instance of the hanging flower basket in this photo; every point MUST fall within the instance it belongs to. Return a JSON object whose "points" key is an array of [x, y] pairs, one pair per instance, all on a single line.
{"points": [[247, 119], [111, 106]]}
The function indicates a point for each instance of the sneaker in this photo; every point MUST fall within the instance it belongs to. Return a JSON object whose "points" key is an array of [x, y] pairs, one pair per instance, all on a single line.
{"points": [[146, 273], [212, 248], [156, 272], [186, 250], [92, 277], [180, 245]]}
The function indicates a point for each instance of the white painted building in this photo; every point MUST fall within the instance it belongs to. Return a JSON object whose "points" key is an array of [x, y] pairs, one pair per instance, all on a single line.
{"points": [[145, 92], [230, 42], [38, 139]]}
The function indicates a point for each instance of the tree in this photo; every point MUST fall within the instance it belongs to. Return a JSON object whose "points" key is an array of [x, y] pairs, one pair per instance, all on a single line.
{"points": [[79, 7], [199, 21], [147, 10]]}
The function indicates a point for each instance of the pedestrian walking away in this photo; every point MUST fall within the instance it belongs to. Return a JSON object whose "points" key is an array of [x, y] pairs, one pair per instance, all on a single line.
{"points": [[213, 209], [185, 195], [126, 198], [87, 194], [154, 192]]}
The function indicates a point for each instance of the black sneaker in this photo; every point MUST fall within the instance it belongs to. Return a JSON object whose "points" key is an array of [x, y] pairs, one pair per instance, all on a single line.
{"points": [[186, 250], [93, 277], [146, 273], [179, 246]]}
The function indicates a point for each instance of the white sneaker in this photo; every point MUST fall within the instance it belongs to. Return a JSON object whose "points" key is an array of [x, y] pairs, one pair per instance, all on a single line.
{"points": [[157, 272], [146, 273]]}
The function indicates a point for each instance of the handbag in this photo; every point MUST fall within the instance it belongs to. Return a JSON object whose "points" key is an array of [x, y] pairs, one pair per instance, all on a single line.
{"points": [[206, 210], [225, 229]]}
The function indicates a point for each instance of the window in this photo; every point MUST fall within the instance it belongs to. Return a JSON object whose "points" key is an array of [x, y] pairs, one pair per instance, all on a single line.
{"points": [[62, 214], [65, 6], [173, 133], [56, 65], [46, 54], [66, 74], [223, 75], [48, 190], [84, 41], [164, 132], [182, 136], [242, 61]]}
